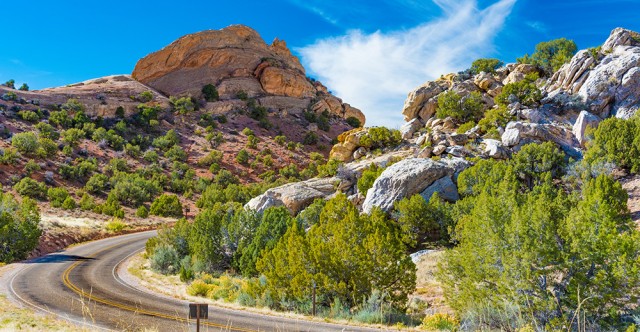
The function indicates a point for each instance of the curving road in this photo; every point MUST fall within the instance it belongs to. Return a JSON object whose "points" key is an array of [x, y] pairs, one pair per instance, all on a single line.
{"points": [[81, 285]]}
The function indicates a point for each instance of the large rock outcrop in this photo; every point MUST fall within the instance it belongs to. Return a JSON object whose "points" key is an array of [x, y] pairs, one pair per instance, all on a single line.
{"points": [[236, 59], [403, 179], [295, 196], [607, 80]]}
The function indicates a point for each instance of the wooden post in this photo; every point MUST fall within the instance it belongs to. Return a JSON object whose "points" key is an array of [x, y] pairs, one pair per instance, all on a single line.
{"points": [[313, 299], [198, 318]]}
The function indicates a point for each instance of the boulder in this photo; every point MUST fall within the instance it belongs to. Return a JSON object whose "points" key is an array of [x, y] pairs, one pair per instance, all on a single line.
{"points": [[494, 149], [425, 152], [457, 139], [348, 142], [585, 119], [295, 196], [408, 129], [520, 133], [457, 151], [418, 98], [439, 149], [359, 153], [402, 179], [518, 73], [445, 188]]}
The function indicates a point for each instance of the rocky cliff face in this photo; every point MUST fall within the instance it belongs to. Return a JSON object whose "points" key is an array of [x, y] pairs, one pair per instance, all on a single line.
{"points": [[236, 59], [595, 84]]}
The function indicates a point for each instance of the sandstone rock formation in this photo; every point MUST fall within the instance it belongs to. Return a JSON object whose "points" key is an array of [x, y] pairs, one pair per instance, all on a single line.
{"points": [[236, 59], [101, 96]]}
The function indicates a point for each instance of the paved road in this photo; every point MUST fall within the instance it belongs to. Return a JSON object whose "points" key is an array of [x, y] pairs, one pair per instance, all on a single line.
{"points": [[81, 285]]}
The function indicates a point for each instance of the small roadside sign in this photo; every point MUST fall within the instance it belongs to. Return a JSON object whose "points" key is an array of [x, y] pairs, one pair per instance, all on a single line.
{"points": [[198, 311]]}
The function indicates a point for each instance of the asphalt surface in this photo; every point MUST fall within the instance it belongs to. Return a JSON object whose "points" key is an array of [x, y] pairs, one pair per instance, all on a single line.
{"points": [[82, 285]]}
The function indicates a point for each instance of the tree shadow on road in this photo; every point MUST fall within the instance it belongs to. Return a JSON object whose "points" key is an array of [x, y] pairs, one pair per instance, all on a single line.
{"points": [[59, 258]]}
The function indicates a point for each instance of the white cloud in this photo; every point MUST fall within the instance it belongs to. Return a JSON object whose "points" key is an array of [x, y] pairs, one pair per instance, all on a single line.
{"points": [[374, 72]]}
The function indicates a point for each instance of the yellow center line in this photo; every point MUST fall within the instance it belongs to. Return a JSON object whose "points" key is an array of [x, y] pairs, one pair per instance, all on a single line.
{"points": [[67, 282]]}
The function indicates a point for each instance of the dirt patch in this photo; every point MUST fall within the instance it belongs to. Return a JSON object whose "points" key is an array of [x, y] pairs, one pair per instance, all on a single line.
{"points": [[428, 289], [632, 185]]}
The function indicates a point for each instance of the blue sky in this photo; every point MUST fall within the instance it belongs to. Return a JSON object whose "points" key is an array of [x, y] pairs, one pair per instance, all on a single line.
{"points": [[370, 53]]}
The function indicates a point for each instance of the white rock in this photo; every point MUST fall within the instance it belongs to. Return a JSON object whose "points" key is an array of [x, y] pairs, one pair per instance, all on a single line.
{"points": [[409, 128], [403, 179], [585, 119], [445, 188], [494, 149], [295, 196]]}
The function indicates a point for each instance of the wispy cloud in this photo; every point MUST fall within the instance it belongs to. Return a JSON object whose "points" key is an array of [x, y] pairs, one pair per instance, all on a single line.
{"points": [[376, 71], [537, 26]]}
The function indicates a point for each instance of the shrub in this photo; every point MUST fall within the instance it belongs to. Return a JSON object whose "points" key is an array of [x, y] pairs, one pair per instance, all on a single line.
{"points": [[213, 157], [9, 156], [353, 122], [525, 92], [242, 157], [166, 206], [26, 142], [47, 131], [87, 202], [112, 207], [310, 138], [145, 96], [175, 153], [24, 87], [210, 93], [440, 322], [80, 171], [280, 140], [151, 156], [11, 84], [182, 105], [380, 137], [69, 203], [72, 136], [20, 232], [616, 140], [168, 140], [465, 127], [97, 183], [73, 106], [252, 142], [60, 119], [57, 196], [120, 112], [198, 288], [369, 175], [142, 212], [30, 167], [115, 225], [550, 56], [494, 118], [133, 189], [485, 65], [29, 116], [31, 188], [461, 109]]}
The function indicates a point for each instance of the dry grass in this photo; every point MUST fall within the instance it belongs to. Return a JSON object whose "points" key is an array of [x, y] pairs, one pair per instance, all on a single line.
{"points": [[427, 287], [13, 318]]}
